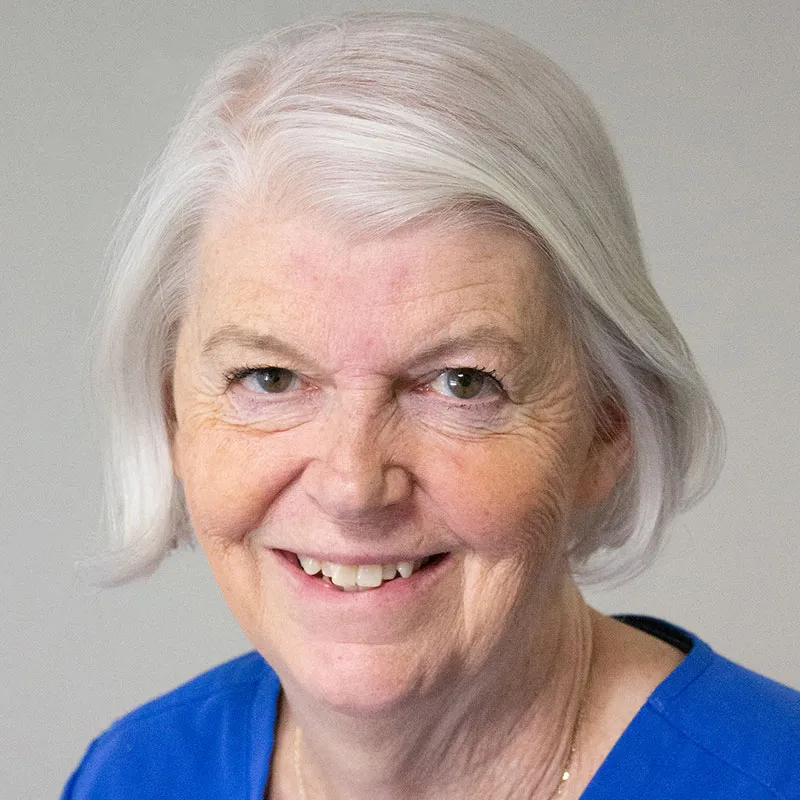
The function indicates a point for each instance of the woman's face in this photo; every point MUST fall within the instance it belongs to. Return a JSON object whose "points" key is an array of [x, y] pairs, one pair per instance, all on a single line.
{"points": [[411, 398]]}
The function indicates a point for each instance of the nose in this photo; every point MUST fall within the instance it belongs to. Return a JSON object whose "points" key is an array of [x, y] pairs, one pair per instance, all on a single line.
{"points": [[353, 476]]}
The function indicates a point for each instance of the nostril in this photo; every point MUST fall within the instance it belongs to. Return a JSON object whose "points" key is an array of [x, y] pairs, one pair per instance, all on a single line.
{"points": [[351, 492]]}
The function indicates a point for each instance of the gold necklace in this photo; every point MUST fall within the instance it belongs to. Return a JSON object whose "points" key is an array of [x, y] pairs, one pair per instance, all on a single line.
{"points": [[571, 754], [565, 775]]}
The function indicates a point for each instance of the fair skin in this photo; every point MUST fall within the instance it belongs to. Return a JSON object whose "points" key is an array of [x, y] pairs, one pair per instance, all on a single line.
{"points": [[414, 398]]}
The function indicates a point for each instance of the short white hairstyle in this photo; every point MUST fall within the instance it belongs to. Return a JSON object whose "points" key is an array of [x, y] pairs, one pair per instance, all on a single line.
{"points": [[377, 121]]}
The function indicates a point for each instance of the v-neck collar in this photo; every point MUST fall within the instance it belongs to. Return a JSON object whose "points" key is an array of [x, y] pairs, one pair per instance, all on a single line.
{"points": [[615, 774]]}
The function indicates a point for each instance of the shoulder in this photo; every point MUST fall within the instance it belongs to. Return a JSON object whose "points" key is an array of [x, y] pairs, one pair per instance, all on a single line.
{"points": [[710, 730], [198, 734], [737, 723]]}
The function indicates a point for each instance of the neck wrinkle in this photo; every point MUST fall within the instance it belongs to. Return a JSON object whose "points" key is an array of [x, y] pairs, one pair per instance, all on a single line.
{"points": [[487, 742]]}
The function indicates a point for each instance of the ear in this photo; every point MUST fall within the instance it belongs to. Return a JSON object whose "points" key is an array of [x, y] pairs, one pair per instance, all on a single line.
{"points": [[609, 455], [170, 422]]}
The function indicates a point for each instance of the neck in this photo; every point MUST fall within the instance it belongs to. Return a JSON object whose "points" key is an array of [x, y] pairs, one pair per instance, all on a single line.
{"points": [[506, 734]]}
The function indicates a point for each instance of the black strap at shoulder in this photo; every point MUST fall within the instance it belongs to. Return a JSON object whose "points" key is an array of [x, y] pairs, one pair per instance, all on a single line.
{"points": [[658, 628]]}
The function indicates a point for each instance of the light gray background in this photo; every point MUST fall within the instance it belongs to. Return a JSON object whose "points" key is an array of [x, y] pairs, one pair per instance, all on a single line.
{"points": [[702, 101]]}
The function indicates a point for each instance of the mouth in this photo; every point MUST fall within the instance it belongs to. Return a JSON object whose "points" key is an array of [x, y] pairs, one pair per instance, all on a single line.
{"points": [[362, 577]]}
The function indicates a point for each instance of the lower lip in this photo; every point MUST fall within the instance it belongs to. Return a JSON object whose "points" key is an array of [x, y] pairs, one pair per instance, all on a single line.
{"points": [[389, 592]]}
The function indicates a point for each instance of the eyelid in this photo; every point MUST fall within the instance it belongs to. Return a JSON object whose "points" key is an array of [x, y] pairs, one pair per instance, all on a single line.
{"points": [[236, 375]]}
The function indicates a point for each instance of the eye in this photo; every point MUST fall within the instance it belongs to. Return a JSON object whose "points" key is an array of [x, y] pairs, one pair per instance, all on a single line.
{"points": [[269, 380], [465, 383]]}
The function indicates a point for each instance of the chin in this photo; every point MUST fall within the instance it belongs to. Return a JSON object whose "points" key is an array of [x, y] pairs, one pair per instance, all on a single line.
{"points": [[356, 679]]}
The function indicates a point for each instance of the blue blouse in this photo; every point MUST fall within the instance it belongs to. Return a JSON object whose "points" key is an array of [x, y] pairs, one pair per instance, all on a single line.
{"points": [[712, 730]]}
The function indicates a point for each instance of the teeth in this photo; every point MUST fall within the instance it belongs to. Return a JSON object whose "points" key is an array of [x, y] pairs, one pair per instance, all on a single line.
{"points": [[370, 577], [355, 577], [344, 575], [310, 565], [405, 568]]}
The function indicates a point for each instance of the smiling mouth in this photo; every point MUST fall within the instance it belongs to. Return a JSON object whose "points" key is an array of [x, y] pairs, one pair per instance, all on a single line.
{"points": [[363, 577]]}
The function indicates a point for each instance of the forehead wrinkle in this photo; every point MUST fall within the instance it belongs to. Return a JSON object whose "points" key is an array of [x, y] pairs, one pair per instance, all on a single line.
{"points": [[510, 284], [476, 339]]}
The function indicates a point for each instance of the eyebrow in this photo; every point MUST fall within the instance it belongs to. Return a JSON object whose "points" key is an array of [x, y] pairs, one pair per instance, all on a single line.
{"points": [[251, 340], [481, 336]]}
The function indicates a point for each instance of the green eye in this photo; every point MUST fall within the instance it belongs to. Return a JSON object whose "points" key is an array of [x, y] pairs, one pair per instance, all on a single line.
{"points": [[272, 379], [465, 384]]}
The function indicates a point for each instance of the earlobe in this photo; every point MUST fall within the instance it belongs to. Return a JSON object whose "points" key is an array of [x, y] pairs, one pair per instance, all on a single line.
{"points": [[609, 455]]}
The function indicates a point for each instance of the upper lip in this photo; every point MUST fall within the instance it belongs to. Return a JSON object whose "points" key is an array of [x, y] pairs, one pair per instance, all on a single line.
{"points": [[362, 558]]}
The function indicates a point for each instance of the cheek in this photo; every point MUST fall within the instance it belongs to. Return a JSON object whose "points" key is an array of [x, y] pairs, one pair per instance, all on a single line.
{"points": [[504, 497], [229, 480]]}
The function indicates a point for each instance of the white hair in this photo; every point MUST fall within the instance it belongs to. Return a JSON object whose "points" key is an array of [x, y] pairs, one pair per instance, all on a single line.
{"points": [[377, 121]]}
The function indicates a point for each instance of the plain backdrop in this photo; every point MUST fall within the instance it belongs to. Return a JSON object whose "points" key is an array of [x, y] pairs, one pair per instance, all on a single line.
{"points": [[701, 99]]}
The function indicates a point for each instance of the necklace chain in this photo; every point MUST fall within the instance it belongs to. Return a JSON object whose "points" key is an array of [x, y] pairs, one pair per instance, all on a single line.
{"points": [[565, 775], [571, 753]]}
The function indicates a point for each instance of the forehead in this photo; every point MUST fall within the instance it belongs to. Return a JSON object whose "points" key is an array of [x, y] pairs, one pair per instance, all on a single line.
{"points": [[261, 271]]}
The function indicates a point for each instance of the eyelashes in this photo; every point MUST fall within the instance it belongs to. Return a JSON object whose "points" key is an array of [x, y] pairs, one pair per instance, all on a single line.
{"points": [[237, 375], [266, 380], [467, 383], [458, 383]]}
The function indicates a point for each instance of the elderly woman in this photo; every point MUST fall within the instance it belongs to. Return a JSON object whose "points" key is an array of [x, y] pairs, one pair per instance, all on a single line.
{"points": [[381, 338]]}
